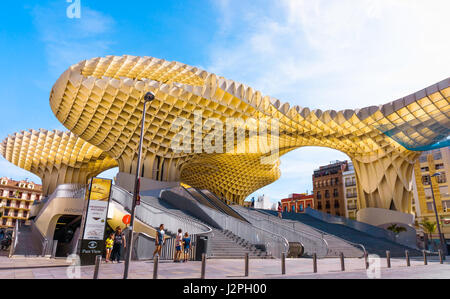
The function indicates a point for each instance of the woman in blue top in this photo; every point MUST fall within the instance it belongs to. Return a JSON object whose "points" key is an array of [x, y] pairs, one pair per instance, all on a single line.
{"points": [[187, 246]]}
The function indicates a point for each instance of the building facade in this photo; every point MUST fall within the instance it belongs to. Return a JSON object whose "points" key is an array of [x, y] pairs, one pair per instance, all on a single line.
{"points": [[297, 202], [16, 199], [430, 163], [350, 192], [329, 189], [263, 202]]}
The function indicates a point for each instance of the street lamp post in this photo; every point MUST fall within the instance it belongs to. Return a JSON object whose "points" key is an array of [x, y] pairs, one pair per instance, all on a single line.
{"points": [[147, 99], [441, 236]]}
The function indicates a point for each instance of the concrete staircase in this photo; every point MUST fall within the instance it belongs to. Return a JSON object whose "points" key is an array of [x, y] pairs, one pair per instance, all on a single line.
{"points": [[335, 245], [226, 245], [373, 245], [222, 244]]}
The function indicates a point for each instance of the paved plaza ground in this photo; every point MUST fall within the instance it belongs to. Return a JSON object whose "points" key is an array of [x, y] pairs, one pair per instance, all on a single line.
{"points": [[46, 268]]}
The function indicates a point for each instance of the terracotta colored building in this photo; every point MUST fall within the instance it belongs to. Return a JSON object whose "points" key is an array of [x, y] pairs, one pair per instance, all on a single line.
{"points": [[297, 203], [329, 188], [16, 199]]}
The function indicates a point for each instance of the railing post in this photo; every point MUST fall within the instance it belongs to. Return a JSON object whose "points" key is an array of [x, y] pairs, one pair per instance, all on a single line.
{"points": [[44, 247], [425, 261], [366, 259], [98, 260], [314, 262], [408, 263], [246, 264], [155, 267], [203, 270], [441, 259], [388, 258], [283, 263], [341, 255], [55, 247]]}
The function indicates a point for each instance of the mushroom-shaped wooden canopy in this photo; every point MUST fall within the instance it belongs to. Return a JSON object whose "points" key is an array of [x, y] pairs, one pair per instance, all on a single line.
{"points": [[100, 100], [56, 157]]}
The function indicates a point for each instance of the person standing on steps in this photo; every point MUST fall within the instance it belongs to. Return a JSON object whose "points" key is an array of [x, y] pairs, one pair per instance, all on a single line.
{"points": [[119, 244], [159, 241], [187, 246], [178, 245], [280, 214]]}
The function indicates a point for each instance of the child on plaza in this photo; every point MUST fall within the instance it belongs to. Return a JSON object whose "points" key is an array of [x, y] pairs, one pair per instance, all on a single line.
{"points": [[109, 246], [178, 245], [187, 246]]}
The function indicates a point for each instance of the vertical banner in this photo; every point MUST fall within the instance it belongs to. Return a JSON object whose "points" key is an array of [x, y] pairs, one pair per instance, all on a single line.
{"points": [[92, 243]]}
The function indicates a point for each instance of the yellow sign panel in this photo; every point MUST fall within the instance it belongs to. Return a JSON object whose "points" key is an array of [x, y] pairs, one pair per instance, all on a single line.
{"points": [[100, 189]]}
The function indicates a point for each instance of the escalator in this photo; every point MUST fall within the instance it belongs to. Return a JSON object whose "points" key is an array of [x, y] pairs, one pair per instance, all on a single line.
{"points": [[207, 198]]}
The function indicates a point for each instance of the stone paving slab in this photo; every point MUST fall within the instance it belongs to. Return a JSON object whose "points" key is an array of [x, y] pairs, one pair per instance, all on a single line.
{"points": [[45, 268]]}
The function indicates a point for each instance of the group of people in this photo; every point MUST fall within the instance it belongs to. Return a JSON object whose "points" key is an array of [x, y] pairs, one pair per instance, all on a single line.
{"points": [[182, 244], [116, 242]]}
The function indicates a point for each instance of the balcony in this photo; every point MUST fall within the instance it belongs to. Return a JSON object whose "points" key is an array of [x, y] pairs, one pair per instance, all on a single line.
{"points": [[351, 207], [352, 195], [350, 184]]}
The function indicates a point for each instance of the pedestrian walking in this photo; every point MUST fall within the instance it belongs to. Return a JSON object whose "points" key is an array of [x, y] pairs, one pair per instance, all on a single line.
{"points": [[186, 246], [178, 246], [118, 245], [159, 241]]}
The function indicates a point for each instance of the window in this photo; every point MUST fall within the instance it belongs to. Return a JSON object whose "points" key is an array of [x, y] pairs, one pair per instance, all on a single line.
{"points": [[439, 166], [319, 196], [300, 208], [426, 168], [336, 181], [327, 193], [293, 209], [335, 193], [441, 178], [426, 179], [336, 204], [327, 205], [319, 205]]}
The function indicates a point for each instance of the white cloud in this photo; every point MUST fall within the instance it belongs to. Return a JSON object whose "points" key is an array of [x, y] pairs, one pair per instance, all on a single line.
{"points": [[331, 55], [68, 41], [336, 54]]}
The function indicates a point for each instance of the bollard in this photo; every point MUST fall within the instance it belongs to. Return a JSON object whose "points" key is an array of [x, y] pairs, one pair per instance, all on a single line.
{"points": [[315, 263], [388, 258], [408, 263], [98, 260], [283, 263], [246, 264], [366, 259], [341, 255], [155, 267], [202, 276], [441, 259], [425, 261]]}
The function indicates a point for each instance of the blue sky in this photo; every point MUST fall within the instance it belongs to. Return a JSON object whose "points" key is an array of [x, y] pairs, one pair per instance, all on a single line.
{"points": [[316, 53]]}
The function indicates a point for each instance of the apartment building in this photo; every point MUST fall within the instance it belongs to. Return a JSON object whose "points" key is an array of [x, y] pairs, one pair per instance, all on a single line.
{"points": [[329, 188], [430, 163], [350, 192], [16, 199]]}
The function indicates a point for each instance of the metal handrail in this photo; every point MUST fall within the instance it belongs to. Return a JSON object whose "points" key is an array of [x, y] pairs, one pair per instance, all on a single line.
{"points": [[150, 214], [334, 248], [311, 243], [275, 244]]}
